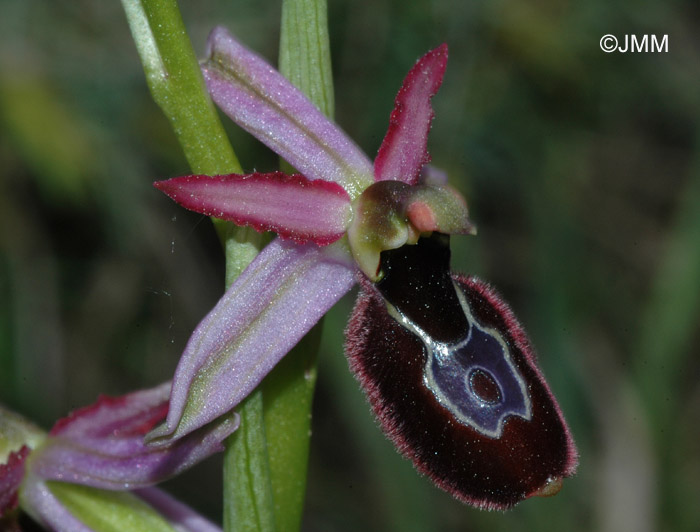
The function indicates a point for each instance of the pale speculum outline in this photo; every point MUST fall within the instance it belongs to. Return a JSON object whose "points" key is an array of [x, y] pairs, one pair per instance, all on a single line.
{"points": [[449, 369]]}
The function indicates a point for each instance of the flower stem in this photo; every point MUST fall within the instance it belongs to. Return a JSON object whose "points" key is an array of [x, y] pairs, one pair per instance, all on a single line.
{"points": [[286, 393], [175, 81], [265, 461], [288, 397], [248, 499], [304, 59], [177, 86], [305, 56]]}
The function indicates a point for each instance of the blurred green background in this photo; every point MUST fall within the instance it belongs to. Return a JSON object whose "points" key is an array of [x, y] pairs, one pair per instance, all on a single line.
{"points": [[582, 172]]}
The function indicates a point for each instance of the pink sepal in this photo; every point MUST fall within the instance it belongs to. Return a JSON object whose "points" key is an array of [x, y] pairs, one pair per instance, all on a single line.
{"points": [[292, 206], [264, 103], [265, 312]]}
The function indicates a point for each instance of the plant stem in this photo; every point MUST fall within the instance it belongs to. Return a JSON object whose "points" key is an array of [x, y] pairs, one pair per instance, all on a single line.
{"points": [[288, 398], [265, 460], [305, 52], [177, 86], [288, 391], [247, 471]]}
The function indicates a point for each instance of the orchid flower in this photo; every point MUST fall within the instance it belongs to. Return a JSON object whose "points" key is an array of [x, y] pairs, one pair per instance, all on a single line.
{"points": [[101, 446], [447, 368]]}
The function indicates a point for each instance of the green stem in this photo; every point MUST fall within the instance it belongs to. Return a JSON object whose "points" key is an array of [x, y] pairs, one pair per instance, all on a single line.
{"points": [[177, 86], [265, 460], [246, 469], [305, 57], [288, 391], [248, 495]]}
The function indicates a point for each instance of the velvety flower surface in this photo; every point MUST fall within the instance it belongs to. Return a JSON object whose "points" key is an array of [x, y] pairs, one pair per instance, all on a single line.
{"points": [[102, 446], [471, 368], [452, 377]]}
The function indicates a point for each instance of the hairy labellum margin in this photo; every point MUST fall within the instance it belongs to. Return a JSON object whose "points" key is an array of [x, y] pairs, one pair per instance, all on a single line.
{"points": [[452, 378]]}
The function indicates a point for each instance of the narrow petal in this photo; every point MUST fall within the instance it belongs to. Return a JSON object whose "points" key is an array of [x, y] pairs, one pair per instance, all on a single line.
{"points": [[264, 103], [180, 516], [11, 474], [404, 149], [102, 445], [292, 206], [269, 308]]}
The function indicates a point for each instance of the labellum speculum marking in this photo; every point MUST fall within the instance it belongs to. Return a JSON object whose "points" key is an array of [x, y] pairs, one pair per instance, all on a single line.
{"points": [[451, 376], [468, 367]]}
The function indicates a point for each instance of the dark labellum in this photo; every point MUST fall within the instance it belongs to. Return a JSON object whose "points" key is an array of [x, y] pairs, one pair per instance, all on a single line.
{"points": [[452, 377]]}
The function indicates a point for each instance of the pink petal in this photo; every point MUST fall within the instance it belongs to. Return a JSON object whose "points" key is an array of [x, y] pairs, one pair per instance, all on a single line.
{"points": [[270, 307], [260, 100], [102, 445], [404, 150], [292, 206]]}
